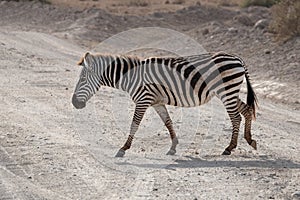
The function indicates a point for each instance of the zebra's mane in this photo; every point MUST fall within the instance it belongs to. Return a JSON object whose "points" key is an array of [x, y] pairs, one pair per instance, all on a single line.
{"points": [[174, 59], [96, 55], [105, 56]]}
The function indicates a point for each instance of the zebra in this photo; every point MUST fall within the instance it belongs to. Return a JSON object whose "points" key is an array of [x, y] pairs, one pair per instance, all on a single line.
{"points": [[183, 81]]}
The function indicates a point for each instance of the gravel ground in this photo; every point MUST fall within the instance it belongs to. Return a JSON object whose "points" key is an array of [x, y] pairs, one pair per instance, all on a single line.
{"points": [[49, 150]]}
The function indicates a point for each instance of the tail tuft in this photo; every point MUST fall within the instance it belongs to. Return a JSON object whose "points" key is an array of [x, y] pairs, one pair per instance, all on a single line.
{"points": [[251, 96]]}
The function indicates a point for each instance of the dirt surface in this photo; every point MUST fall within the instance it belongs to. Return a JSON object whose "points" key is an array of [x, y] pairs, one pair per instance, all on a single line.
{"points": [[49, 150]]}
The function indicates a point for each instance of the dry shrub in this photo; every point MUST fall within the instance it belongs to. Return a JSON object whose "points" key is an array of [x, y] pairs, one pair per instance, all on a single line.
{"points": [[139, 3], [286, 19], [227, 3], [265, 3], [178, 2], [42, 1]]}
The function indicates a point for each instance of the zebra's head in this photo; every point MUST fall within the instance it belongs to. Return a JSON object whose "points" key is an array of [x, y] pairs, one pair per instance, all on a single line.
{"points": [[88, 82]]}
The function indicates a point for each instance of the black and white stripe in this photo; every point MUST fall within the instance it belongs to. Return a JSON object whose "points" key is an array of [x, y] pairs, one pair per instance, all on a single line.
{"points": [[178, 81]]}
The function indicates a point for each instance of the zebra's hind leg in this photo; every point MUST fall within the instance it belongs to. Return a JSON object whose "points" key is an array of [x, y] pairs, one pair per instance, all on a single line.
{"points": [[139, 112], [247, 112], [235, 118], [164, 115]]}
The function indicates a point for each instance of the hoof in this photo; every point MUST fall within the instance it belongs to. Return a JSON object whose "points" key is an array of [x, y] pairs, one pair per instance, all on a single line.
{"points": [[120, 153], [171, 152], [253, 144], [226, 152]]}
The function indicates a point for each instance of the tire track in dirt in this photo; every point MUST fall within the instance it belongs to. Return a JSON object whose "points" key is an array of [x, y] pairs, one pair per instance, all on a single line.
{"points": [[40, 136]]}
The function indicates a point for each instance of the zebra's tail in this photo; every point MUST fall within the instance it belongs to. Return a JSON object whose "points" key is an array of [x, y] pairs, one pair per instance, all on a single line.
{"points": [[251, 96]]}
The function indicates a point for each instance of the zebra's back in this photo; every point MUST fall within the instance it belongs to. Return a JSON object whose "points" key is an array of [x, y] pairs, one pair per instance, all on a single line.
{"points": [[193, 80]]}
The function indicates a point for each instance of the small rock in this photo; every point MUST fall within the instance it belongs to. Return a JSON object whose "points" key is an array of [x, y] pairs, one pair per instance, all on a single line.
{"points": [[261, 24], [155, 189], [22, 100], [232, 30], [267, 51], [293, 56], [205, 31], [296, 195]]}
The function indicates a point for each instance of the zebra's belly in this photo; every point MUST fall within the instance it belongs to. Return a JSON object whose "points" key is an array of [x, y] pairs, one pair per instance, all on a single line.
{"points": [[185, 99]]}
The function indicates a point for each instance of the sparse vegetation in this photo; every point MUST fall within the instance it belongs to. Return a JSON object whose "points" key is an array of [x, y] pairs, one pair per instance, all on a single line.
{"points": [[286, 19], [42, 1], [178, 2], [227, 3], [138, 3], [265, 3], [45, 1]]}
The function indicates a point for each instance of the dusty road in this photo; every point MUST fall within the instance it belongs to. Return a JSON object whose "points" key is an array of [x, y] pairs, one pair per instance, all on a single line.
{"points": [[49, 150]]}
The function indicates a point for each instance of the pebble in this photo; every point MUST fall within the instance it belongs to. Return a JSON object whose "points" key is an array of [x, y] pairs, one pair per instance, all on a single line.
{"points": [[232, 30], [267, 51], [205, 31], [296, 195], [261, 24]]}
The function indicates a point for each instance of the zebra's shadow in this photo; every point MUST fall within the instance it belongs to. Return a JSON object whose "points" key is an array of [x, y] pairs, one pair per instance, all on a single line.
{"points": [[196, 162]]}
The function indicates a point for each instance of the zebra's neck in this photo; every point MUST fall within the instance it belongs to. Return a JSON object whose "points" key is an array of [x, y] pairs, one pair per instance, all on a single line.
{"points": [[117, 71]]}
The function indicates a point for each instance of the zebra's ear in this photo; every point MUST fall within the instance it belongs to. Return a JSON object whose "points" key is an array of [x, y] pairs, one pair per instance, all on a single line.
{"points": [[83, 60]]}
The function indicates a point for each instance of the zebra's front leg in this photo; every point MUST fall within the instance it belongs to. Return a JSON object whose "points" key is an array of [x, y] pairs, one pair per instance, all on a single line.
{"points": [[137, 118], [164, 115]]}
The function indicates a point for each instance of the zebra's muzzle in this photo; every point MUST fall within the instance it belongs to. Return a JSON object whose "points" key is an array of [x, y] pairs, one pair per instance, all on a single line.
{"points": [[77, 104]]}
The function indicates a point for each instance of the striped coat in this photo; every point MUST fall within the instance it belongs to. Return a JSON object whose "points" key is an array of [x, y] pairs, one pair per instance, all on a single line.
{"points": [[179, 81]]}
